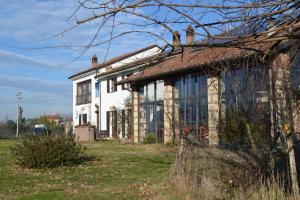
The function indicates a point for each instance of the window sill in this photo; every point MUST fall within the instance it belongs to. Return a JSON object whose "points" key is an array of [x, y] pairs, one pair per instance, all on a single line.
{"points": [[78, 104]]}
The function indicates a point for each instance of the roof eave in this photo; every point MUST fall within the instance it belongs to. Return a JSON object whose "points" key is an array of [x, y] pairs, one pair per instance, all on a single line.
{"points": [[100, 66]]}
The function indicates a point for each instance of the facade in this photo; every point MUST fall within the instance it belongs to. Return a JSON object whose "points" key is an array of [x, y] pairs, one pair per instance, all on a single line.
{"points": [[195, 91], [97, 98]]}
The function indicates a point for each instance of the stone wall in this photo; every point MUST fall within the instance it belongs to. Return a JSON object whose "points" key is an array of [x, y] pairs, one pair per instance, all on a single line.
{"points": [[168, 112], [213, 110], [135, 112]]}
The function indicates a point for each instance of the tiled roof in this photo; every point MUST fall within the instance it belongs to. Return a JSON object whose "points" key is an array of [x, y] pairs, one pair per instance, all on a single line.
{"points": [[53, 117], [114, 60], [189, 60], [143, 61], [210, 56]]}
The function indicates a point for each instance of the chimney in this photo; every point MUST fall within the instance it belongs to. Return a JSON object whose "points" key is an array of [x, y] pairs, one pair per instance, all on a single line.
{"points": [[94, 61], [190, 35], [176, 39]]}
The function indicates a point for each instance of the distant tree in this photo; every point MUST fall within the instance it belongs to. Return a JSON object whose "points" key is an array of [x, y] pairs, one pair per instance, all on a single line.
{"points": [[11, 125]]}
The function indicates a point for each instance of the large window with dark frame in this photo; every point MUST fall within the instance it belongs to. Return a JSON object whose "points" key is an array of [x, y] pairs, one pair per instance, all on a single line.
{"points": [[245, 97], [84, 92], [246, 91], [151, 109], [191, 106]]}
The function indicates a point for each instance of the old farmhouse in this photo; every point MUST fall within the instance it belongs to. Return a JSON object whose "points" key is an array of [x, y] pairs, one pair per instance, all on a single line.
{"points": [[193, 89]]}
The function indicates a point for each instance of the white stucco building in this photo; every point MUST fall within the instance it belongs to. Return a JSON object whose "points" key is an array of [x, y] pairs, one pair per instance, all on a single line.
{"points": [[99, 101]]}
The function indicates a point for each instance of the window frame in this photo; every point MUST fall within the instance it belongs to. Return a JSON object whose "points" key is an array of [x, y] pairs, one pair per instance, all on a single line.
{"points": [[152, 109], [112, 85], [97, 89], [198, 118], [86, 92], [82, 118], [126, 86]]}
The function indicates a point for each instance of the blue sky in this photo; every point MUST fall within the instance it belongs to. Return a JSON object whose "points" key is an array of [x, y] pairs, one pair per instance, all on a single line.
{"points": [[29, 62], [41, 73]]}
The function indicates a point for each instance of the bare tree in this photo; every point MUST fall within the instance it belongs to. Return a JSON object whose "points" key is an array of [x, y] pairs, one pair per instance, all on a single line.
{"points": [[220, 23], [158, 18]]}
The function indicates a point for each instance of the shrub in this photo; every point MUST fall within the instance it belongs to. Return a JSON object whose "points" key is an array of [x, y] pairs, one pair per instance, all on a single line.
{"points": [[150, 139], [48, 151], [174, 142]]}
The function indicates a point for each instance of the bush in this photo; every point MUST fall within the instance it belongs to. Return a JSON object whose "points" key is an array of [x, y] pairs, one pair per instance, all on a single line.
{"points": [[48, 151], [173, 142], [150, 139]]}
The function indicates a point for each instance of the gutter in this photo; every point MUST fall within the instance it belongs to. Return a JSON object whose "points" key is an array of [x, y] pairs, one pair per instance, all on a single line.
{"points": [[109, 75]]}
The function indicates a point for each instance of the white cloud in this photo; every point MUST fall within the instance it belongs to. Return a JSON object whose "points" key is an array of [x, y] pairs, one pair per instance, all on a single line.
{"points": [[35, 84], [9, 58], [16, 60], [32, 20]]}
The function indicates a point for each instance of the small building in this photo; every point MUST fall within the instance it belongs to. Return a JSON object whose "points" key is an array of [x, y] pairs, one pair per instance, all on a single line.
{"points": [[56, 118]]}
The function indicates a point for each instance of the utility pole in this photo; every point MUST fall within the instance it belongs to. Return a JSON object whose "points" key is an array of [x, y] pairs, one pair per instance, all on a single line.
{"points": [[19, 98]]}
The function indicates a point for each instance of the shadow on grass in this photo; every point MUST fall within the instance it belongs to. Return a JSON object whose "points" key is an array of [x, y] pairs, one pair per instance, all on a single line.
{"points": [[87, 158]]}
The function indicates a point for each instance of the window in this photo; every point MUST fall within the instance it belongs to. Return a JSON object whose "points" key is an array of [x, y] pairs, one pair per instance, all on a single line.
{"points": [[114, 123], [123, 85], [83, 119], [295, 73], [111, 123], [84, 92], [129, 122], [108, 123], [191, 105], [151, 105], [246, 92], [126, 85], [123, 122], [97, 89], [112, 85]]}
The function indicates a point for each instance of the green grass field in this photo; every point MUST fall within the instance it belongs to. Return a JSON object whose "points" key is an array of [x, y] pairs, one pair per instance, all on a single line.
{"points": [[117, 172]]}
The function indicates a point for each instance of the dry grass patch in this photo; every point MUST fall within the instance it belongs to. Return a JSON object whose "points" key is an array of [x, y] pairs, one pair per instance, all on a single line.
{"points": [[212, 173]]}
